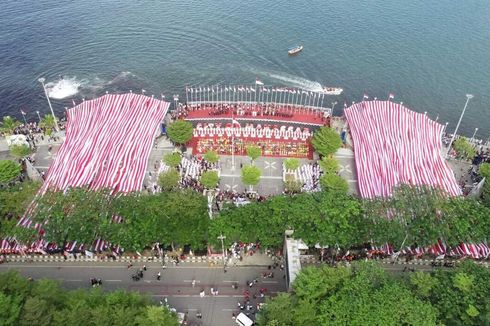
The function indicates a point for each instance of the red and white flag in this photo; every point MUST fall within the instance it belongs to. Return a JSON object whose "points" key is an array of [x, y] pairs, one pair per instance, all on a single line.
{"points": [[258, 82]]}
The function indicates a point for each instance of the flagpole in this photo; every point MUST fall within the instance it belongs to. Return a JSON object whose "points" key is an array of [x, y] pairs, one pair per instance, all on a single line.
{"points": [[41, 80], [232, 142], [24, 116]]}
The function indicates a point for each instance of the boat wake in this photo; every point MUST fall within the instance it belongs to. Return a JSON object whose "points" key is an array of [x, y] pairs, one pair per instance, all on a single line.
{"points": [[64, 87], [67, 86], [299, 82]]}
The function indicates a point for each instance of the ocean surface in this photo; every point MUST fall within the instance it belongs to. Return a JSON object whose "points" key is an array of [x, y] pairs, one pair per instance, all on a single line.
{"points": [[428, 53]]}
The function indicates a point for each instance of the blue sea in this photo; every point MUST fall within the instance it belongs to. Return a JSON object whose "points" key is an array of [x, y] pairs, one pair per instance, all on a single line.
{"points": [[428, 53]]}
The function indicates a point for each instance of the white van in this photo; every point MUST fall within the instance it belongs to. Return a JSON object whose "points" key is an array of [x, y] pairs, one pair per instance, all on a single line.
{"points": [[243, 320]]}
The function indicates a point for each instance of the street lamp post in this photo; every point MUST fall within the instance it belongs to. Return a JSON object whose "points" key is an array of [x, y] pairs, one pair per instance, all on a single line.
{"points": [[474, 134], [333, 106], [38, 116], [222, 237], [468, 98], [41, 80]]}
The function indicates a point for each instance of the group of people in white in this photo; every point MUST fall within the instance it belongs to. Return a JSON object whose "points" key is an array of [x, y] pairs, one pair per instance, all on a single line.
{"points": [[251, 131], [309, 176]]}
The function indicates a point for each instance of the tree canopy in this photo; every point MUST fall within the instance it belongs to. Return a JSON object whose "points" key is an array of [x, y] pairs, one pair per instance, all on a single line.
{"points": [[180, 131], [19, 151], [364, 295], [333, 182], [209, 179], [291, 163], [9, 170], [44, 302], [8, 124], [326, 141], [251, 175], [329, 164], [47, 121], [169, 180], [464, 149], [211, 156], [254, 152], [172, 159]]}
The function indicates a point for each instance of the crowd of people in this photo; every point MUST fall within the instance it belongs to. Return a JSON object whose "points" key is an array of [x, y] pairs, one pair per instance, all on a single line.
{"points": [[309, 175], [225, 146], [271, 111]]}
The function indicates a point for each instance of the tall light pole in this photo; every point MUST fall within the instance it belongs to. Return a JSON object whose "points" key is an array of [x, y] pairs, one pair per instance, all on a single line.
{"points": [[38, 116], [41, 80], [222, 237], [333, 107], [468, 98], [474, 134]]}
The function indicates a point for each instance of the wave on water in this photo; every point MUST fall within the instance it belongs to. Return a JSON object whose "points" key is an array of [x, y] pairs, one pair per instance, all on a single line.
{"points": [[63, 88], [299, 82]]}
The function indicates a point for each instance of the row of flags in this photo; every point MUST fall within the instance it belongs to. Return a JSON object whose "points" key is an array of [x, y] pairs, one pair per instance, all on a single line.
{"points": [[249, 90]]}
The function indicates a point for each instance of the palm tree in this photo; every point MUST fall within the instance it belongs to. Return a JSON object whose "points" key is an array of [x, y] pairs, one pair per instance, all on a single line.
{"points": [[48, 123], [8, 125]]}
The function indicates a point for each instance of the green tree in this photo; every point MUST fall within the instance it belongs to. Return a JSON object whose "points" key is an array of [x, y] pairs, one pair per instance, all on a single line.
{"points": [[169, 180], [36, 312], [423, 283], [292, 186], [19, 151], [251, 175], [47, 121], [9, 170], [326, 141], [10, 307], [172, 159], [8, 125], [254, 152], [291, 163], [209, 179], [180, 132], [78, 214], [333, 182], [274, 311], [329, 164], [211, 156], [464, 149], [157, 316], [484, 171]]}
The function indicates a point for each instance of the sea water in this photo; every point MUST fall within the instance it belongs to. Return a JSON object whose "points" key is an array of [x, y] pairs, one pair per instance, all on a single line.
{"points": [[428, 53]]}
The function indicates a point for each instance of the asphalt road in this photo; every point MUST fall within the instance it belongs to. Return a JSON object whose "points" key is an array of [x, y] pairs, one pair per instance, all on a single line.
{"points": [[175, 284]]}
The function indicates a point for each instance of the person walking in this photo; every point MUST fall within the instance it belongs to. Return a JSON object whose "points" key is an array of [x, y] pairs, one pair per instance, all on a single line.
{"points": [[158, 276]]}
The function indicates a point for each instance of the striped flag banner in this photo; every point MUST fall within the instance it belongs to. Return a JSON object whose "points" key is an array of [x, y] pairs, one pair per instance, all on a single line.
{"points": [[394, 145]]}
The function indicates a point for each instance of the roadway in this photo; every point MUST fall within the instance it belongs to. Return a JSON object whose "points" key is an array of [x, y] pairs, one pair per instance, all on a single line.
{"points": [[175, 284]]}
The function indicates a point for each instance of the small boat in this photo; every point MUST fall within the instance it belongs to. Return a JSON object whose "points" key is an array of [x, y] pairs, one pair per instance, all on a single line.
{"points": [[332, 90], [295, 50]]}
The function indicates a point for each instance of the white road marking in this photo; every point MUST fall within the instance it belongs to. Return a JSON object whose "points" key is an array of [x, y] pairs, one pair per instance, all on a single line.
{"points": [[274, 282], [229, 281]]}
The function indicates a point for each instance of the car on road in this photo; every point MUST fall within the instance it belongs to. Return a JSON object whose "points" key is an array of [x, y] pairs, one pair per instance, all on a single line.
{"points": [[243, 320]]}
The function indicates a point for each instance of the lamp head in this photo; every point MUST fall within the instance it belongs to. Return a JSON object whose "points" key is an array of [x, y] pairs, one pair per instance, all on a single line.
{"points": [[469, 96], [41, 80]]}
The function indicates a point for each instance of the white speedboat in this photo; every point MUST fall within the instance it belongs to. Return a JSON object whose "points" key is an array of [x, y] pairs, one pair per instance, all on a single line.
{"points": [[333, 90], [295, 50]]}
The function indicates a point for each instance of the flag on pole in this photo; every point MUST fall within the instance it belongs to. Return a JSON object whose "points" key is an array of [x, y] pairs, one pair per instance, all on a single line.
{"points": [[365, 97], [73, 101], [391, 96], [345, 104], [252, 90], [258, 82]]}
